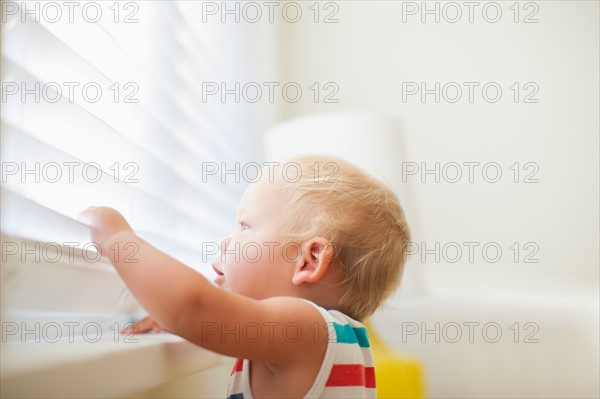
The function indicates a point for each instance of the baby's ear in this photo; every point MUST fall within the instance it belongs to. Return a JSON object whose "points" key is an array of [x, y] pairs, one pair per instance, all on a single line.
{"points": [[317, 254]]}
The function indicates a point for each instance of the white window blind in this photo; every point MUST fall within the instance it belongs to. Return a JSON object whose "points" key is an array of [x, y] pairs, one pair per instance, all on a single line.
{"points": [[109, 112]]}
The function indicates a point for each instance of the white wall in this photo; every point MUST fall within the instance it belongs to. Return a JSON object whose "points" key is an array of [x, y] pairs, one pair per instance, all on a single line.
{"points": [[370, 52]]}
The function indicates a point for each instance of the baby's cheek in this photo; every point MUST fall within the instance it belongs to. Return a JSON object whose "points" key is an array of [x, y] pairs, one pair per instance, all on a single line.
{"points": [[238, 275], [252, 253]]}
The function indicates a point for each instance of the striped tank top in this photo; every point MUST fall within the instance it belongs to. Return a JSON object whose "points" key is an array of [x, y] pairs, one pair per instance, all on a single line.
{"points": [[346, 372]]}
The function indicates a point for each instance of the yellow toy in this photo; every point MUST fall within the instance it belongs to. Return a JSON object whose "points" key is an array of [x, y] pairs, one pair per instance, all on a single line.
{"points": [[397, 376]]}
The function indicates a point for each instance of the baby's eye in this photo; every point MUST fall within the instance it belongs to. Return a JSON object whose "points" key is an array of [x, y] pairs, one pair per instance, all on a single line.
{"points": [[243, 226]]}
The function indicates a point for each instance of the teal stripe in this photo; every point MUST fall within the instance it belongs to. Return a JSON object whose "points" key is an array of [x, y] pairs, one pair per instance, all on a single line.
{"points": [[362, 335], [346, 334]]}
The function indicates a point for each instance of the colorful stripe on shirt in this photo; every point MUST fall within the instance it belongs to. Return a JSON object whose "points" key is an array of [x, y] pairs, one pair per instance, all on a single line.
{"points": [[351, 375], [346, 334]]}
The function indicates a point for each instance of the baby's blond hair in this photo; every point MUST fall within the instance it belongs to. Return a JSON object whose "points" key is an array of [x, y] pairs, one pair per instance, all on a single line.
{"points": [[359, 214]]}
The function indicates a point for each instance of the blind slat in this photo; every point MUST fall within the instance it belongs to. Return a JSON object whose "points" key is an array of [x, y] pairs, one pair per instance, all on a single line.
{"points": [[168, 135], [26, 221], [133, 84]]}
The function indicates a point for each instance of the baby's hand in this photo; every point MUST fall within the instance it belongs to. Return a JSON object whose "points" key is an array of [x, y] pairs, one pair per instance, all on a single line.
{"points": [[104, 223], [145, 325]]}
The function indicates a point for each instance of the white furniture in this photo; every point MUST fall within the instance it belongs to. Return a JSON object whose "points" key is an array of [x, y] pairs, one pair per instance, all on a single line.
{"points": [[556, 355]]}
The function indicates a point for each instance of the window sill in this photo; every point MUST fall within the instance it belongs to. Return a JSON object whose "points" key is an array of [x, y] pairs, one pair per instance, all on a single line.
{"points": [[74, 308], [106, 368]]}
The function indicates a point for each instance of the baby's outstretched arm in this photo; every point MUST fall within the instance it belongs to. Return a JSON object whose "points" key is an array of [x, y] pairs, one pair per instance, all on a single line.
{"points": [[186, 304], [159, 282]]}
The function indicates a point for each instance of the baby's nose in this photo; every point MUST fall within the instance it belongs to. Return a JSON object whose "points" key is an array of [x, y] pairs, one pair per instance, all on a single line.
{"points": [[225, 243], [223, 248]]}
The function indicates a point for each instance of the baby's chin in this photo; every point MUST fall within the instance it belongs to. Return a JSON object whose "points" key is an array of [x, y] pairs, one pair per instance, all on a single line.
{"points": [[220, 281], [223, 284], [244, 291]]}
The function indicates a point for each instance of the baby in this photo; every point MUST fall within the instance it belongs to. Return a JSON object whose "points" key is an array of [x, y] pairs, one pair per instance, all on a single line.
{"points": [[323, 248]]}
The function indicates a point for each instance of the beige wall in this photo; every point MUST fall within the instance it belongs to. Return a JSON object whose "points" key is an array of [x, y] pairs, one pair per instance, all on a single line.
{"points": [[370, 52]]}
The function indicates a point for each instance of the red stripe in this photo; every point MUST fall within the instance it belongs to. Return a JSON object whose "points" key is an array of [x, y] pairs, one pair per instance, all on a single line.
{"points": [[239, 364], [370, 377], [351, 375]]}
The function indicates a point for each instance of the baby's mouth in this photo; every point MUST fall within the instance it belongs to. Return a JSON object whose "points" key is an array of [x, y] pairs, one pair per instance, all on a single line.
{"points": [[220, 276]]}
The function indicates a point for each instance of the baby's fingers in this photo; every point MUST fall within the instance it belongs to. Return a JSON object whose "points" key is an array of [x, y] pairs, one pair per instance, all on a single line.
{"points": [[142, 326]]}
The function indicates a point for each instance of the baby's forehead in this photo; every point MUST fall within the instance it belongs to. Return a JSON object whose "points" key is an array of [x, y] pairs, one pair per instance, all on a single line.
{"points": [[266, 184], [262, 191]]}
